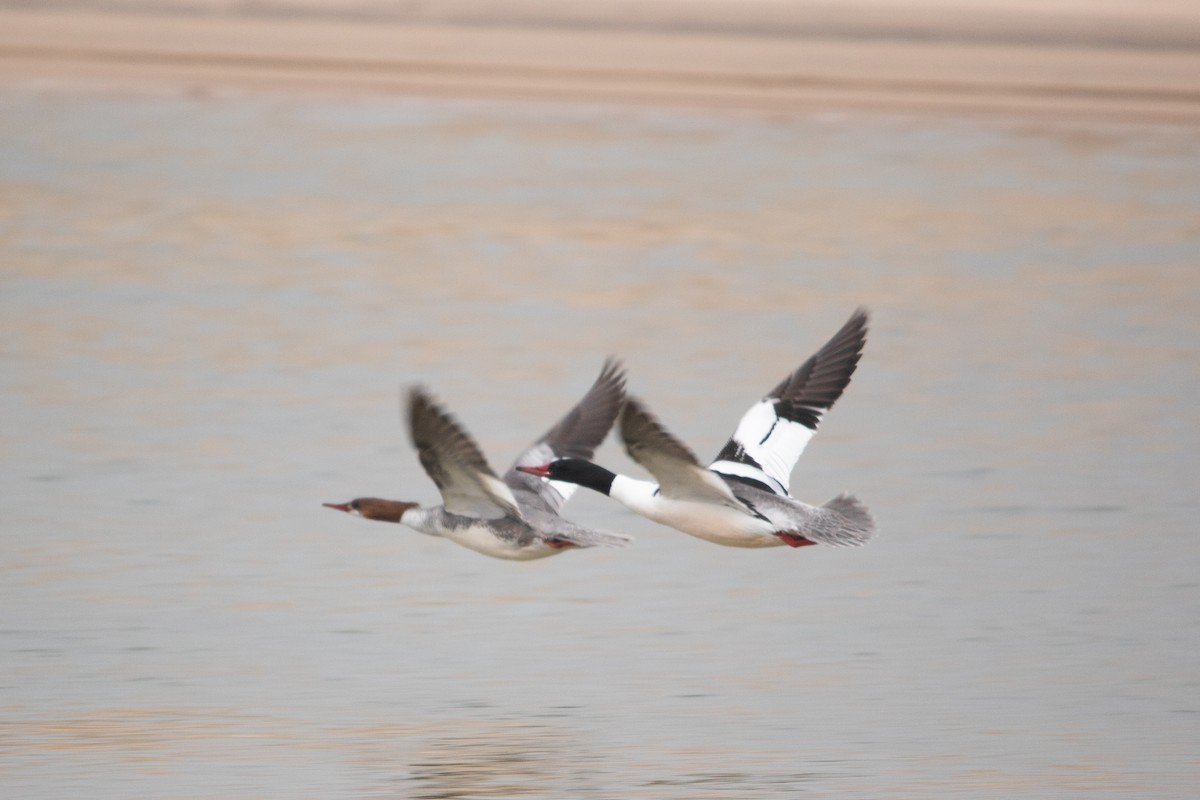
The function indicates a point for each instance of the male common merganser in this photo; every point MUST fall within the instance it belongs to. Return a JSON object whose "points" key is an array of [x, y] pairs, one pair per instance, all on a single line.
{"points": [[515, 518], [741, 499]]}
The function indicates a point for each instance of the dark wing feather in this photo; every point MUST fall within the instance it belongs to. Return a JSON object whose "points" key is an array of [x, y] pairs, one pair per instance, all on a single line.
{"points": [[454, 462], [816, 385], [679, 473], [773, 432], [577, 435]]}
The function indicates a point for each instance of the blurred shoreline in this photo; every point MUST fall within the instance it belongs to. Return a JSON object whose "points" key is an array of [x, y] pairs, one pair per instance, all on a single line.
{"points": [[1112, 59]]}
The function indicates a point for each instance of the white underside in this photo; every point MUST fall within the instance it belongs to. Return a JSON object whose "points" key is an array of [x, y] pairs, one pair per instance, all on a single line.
{"points": [[480, 538], [713, 523]]}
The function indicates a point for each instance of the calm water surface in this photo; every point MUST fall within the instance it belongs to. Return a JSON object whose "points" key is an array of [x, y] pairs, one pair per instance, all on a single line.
{"points": [[211, 302]]}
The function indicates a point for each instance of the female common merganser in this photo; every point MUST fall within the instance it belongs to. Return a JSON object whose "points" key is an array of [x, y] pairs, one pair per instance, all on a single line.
{"points": [[515, 518], [741, 499]]}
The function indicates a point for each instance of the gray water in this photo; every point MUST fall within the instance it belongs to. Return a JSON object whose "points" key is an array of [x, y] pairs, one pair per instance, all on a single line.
{"points": [[212, 301]]}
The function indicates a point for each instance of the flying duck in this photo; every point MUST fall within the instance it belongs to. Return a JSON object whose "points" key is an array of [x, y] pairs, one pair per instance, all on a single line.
{"points": [[516, 517], [742, 498]]}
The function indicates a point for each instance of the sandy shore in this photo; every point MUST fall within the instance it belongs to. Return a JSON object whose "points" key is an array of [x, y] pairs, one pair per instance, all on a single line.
{"points": [[1111, 59]]}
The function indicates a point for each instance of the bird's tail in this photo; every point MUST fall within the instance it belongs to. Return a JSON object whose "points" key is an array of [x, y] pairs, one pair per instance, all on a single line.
{"points": [[849, 523], [586, 537]]}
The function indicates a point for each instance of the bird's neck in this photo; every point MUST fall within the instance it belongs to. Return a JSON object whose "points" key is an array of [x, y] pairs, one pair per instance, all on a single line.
{"points": [[636, 495], [384, 510], [595, 477]]}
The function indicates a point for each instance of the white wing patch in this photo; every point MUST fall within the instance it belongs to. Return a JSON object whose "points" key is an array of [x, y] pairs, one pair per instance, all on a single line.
{"points": [[503, 495], [475, 494], [775, 444], [563, 488], [683, 480]]}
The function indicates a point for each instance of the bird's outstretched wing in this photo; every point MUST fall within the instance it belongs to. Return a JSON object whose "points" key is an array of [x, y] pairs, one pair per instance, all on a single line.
{"points": [[455, 463], [576, 435], [774, 431], [679, 474]]}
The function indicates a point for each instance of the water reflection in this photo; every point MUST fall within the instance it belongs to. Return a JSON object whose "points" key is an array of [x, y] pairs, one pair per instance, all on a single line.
{"points": [[526, 759], [496, 759]]}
